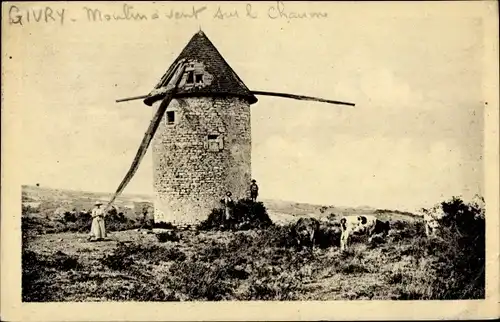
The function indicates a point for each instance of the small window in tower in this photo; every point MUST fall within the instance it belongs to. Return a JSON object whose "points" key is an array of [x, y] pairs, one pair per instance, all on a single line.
{"points": [[199, 78], [190, 78], [214, 143], [170, 117]]}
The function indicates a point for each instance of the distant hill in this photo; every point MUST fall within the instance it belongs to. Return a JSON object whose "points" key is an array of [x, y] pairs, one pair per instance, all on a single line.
{"points": [[44, 193], [279, 210], [282, 209]]}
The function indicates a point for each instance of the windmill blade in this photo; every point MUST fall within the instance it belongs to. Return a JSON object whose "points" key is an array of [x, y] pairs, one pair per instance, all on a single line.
{"points": [[302, 97], [148, 136], [284, 95], [131, 98]]}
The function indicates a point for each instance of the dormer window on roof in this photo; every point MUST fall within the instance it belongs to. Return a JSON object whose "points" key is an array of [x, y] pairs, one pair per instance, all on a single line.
{"points": [[198, 79], [195, 72]]}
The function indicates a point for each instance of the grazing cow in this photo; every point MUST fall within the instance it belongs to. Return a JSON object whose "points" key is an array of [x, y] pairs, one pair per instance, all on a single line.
{"points": [[305, 231], [362, 224]]}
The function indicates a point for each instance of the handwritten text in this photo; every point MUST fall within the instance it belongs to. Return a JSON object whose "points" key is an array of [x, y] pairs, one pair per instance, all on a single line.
{"points": [[127, 12], [46, 14]]}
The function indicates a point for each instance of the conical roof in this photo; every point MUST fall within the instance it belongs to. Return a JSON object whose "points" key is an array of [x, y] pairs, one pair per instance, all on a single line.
{"points": [[222, 80]]}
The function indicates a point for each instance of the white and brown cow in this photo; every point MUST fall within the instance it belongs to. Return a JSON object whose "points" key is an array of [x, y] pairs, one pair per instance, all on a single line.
{"points": [[361, 224]]}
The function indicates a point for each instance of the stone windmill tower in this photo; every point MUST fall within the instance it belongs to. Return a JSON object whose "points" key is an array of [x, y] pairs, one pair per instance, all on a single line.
{"points": [[200, 133], [202, 147]]}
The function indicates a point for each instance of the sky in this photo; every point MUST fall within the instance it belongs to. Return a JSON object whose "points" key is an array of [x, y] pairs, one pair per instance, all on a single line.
{"points": [[414, 137]]}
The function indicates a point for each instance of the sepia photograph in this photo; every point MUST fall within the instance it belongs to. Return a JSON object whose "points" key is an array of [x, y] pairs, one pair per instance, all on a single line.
{"points": [[251, 152]]}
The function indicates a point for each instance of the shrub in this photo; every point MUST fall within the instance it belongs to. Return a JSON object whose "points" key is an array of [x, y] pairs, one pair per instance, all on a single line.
{"points": [[31, 225], [27, 209], [35, 285], [215, 220], [38, 272], [82, 222], [460, 251], [118, 261], [168, 236], [74, 221], [246, 214], [453, 263], [200, 281], [376, 241], [406, 230], [62, 261], [398, 225], [282, 288], [211, 253], [118, 222], [69, 216], [274, 236]]}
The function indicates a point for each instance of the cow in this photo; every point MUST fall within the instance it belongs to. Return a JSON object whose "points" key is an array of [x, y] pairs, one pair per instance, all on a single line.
{"points": [[305, 231], [361, 224]]}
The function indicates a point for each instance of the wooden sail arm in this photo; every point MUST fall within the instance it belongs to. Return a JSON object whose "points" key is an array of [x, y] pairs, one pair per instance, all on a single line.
{"points": [[133, 98], [284, 95], [301, 97], [148, 136]]}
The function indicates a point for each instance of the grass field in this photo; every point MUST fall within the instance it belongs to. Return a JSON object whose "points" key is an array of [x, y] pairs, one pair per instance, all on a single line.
{"points": [[258, 264]]}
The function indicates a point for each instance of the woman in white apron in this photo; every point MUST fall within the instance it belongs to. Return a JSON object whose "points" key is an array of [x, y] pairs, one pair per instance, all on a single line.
{"points": [[97, 230]]}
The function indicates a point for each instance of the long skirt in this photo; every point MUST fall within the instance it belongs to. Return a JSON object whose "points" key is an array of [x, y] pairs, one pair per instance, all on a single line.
{"points": [[98, 230]]}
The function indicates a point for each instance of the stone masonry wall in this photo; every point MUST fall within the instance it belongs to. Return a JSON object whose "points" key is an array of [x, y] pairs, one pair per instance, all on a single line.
{"points": [[189, 177]]}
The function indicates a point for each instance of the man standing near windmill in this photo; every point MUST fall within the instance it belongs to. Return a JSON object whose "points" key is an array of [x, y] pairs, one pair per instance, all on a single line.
{"points": [[254, 190]]}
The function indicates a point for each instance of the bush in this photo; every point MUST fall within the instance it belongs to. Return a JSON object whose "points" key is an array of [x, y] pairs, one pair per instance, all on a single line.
{"points": [[200, 281], [453, 262], [81, 222], [246, 214], [38, 272], [118, 222], [168, 236], [274, 236], [27, 209], [406, 230], [282, 288], [460, 264], [35, 285]]}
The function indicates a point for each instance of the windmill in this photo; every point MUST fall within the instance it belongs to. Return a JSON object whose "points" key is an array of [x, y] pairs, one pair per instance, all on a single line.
{"points": [[201, 134]]}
